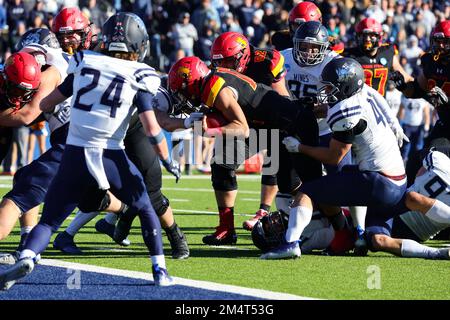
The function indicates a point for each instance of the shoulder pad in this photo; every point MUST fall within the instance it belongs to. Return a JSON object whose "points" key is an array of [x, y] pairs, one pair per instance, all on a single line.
{"points": [[343, 118]]}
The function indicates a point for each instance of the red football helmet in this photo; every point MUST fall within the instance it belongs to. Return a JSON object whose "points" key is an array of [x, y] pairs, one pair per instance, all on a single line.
{"points": [[368, 34], [440, 38], [185, 81], [21, 79], [231, 50], [302, 12], [73, 30]]}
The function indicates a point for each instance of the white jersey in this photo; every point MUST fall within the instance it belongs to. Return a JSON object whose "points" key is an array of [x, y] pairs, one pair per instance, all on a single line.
{"points": [[413, 111], [394, 98], [376, 148], [434, 183], [305, 81], [60, 60], [104, 89]]}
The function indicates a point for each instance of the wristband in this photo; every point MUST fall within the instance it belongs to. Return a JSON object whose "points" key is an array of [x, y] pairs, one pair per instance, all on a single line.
{"points": [[156, 139]]}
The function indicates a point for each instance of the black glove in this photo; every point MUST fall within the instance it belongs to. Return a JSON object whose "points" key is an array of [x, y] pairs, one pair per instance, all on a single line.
{"points": [[173, 167], [398, 79], [437, 97], [307, 101]]}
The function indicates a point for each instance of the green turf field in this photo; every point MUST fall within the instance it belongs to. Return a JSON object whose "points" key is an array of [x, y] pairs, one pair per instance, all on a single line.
{"points": [[311, 276]]}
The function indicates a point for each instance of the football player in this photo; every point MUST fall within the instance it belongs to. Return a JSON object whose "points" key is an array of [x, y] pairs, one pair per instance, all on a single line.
{"points": [[233, 50], [432, 84], [302, 12], [402, 234], [377, 59], [244, 104], [138, 150], [358, 123], [94, 160], [73, 30]]}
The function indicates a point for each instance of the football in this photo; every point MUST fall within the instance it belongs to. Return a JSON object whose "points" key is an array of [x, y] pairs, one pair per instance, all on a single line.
{"points": [[215, 120]]}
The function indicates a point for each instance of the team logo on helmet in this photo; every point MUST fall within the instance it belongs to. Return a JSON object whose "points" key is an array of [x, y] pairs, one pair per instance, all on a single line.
{"points": [[242, 42], [346, 72]]}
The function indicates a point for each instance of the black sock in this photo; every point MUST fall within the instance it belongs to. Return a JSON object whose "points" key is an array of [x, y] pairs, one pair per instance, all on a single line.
{"points": [[264, 206], [339, 221]]}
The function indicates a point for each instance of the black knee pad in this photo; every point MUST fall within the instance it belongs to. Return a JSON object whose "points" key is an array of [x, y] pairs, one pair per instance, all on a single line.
{"points": [[159, 202], [223, 178], [269, 180], [95, 200]]}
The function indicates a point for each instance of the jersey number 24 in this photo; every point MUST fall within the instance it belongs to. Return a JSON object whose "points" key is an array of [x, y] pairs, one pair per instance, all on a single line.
{"points": [[114, 88]]}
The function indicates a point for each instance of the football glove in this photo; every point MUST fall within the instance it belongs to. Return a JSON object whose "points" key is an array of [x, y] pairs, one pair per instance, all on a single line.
{"points": [[437, 97], [398, 79], [172, 167], [291, 144], [399, 134], [194, 116]]}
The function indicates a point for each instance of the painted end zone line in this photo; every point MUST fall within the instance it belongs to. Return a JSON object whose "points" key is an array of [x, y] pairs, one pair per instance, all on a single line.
{"points": [[264, 294]]}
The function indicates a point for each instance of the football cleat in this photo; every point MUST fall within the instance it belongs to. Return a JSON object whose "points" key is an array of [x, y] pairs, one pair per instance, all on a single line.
{"points": [[249, 224], [178, 243], [161, 277], [284, 251], [222, 236], [64, 242], [9, 277], [361, 247], [104, 227], [8, 258]]}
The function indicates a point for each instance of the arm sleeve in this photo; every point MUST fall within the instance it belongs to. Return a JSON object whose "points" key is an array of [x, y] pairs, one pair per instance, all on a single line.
{"points": [[348, 136], [143, 101], [66, 88]]}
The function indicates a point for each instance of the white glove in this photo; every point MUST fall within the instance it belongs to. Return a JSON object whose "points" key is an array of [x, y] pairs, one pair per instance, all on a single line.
{"points": [[291, 144], [399, 134], [194, 116]]}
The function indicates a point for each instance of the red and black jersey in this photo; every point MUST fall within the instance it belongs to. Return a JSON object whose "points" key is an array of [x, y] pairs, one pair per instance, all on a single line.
{"points": [[281, 40], [265, 66], [263, 107], [376, 68], [437, 73], [248, 92]]}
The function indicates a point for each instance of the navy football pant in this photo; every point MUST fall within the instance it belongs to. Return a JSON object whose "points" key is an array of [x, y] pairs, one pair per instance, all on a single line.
{"points": [[350, 187], [74, 181], [32, 181]]}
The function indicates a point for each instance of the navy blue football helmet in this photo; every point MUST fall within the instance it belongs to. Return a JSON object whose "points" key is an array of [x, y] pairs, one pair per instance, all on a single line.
{"points": [[125, 32], [342, 78], [269, 231], [310, 43], [40, 36]]}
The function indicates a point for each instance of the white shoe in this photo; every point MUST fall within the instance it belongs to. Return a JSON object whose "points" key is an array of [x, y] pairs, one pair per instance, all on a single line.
{"points": [[288, 250], [8, 258], [9, 277]]}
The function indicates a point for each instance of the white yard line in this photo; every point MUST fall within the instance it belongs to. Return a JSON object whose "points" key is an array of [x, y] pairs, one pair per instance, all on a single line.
{"points": [[264, 294], [205, 190]]}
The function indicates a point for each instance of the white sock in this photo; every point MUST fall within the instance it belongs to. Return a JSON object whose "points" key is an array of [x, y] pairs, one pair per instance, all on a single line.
{"points": [[299, 218], [111, 218], [439, 212], [159, 260], [26, 229], [81, 218], [282, 201], [413, 249], [27, 254], [359, 216]]}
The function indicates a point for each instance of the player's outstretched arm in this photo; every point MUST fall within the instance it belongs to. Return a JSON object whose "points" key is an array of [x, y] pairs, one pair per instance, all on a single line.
{"points": [[58, 95]]}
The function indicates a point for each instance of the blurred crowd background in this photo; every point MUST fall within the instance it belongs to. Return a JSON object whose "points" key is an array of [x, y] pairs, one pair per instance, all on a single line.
{"points": [[187, 27], [179, 28]]}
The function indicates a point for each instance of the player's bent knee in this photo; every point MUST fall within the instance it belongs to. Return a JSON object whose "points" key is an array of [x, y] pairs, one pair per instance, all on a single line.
{"points": [[95, 200], [159, 202], [223, 179]]}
